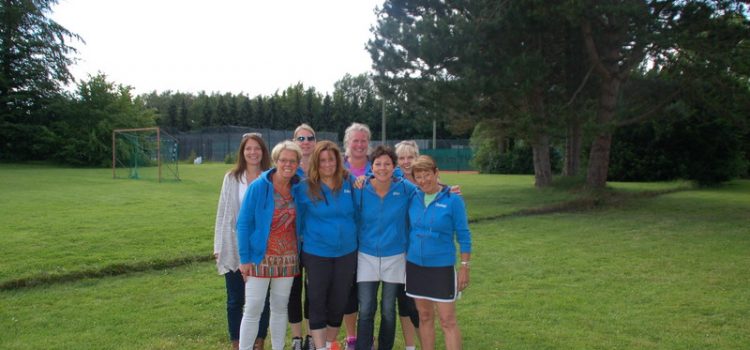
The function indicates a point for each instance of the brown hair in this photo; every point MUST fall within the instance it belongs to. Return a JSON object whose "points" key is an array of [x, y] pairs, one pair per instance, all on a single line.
{"points": [[241, 165], [423, 163], [382, 150], [313, 177]]}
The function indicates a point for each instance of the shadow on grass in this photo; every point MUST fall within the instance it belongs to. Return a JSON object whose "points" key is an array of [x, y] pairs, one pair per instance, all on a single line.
{"points": [[588, 200], [109, 270]]}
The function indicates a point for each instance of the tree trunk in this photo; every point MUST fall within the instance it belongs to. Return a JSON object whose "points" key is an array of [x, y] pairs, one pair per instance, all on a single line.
{"points": [[542, 168], [540, 139], [600, 147], [573, 143], [599, 161]]}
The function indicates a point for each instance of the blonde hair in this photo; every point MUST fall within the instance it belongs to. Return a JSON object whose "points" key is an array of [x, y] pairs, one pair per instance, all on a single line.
{"points": [[423, 163], [304, 126], [283, 146], [313, 174], [349, 133], [407, 146]]}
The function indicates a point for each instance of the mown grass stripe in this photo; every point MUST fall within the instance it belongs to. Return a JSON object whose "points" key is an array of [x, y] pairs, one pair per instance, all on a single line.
{"points": [[105, 271]]}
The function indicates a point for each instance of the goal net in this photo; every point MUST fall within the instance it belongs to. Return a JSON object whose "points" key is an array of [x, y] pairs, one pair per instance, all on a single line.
{"points": [[144, 153]]}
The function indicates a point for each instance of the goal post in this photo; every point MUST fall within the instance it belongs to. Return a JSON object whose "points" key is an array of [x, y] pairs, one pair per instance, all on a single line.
{"points": [[144, 153]]}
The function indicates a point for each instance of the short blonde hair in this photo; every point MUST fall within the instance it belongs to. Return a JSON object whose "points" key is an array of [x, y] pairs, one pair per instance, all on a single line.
{"points": [[348, 134], [283, 146], [407, 146], [423, 163], [304, 126]]}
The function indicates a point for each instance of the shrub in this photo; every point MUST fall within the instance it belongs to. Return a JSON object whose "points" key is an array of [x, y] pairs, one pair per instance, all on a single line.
{"points": [[230, 158], [496, 154]]}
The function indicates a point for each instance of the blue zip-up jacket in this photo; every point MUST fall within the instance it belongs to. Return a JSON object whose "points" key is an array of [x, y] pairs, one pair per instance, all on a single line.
{"points": [[328, 227], [255, 216], [432, 229], [384, 225], [398, 172]]}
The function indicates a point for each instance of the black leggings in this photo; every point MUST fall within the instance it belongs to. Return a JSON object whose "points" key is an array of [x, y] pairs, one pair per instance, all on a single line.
{"points": [[407, 307], [295, 300], [330, 282]]}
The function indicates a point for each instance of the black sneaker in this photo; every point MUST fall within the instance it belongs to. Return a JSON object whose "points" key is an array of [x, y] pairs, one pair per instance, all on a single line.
{"points": [[296, 343], [309, 344]]}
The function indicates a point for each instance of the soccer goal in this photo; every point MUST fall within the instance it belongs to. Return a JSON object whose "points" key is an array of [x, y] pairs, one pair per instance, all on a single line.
{"points": [[144, 153]]}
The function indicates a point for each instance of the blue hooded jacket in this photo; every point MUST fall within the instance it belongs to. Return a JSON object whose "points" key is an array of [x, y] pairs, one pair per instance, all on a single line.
{"points": [[255, 216], [434, 228], [327, 227], [399, 173], [384, 226]]}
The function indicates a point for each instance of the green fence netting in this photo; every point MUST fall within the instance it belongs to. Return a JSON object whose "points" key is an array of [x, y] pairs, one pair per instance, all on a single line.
{"points": [[455, 159]]}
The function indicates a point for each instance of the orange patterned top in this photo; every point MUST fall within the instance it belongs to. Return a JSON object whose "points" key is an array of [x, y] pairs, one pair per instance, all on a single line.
{"points": [[281, 253]]}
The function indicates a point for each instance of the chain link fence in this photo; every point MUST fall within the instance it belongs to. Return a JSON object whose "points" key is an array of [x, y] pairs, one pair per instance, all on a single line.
{"points": [[214, 144]]}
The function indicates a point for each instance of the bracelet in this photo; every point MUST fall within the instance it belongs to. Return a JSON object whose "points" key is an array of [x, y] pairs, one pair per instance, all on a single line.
{"points": [[465, 263]]}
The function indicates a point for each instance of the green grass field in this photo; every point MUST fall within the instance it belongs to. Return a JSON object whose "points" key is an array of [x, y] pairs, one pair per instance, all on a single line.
{"points": [[652, 272]]}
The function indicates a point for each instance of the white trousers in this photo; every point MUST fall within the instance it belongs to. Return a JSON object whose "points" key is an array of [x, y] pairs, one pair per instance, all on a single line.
{"points": [[255, 298]]}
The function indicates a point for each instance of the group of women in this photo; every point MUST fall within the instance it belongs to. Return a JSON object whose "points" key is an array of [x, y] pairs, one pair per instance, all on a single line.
{"points": [[355, 224]]}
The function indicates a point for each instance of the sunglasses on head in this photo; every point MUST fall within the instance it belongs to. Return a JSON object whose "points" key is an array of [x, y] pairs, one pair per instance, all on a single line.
{"points": [[252, 134], [303, 138]]}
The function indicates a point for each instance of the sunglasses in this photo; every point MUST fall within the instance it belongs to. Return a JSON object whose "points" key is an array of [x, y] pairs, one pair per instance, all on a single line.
{"points": [[303, 138], [257, 134]]}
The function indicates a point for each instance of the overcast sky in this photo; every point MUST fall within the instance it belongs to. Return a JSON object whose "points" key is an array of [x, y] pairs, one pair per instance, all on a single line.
{"points": [[250, 46]]}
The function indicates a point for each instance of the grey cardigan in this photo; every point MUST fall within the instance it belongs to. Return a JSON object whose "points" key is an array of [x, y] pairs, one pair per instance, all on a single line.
{"points": [[225, 231]]}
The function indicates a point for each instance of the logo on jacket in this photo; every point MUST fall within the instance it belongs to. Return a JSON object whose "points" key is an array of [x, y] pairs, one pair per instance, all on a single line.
{"points": [[440, 205]]}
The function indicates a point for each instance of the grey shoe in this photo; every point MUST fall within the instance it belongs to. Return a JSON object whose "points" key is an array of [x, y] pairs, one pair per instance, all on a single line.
{"points": [[296, 343]]}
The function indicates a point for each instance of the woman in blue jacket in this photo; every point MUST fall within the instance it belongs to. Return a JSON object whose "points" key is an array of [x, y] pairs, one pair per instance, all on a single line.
{"points": [[383, 203], [437, 218], [325, 204], [268, 245]]}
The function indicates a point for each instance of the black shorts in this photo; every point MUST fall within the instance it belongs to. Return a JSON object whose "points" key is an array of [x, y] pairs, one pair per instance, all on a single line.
{"points": [[433, 283]]}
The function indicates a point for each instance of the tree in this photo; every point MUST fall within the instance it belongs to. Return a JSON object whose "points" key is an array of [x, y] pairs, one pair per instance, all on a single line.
{"points": [[520, 61], [232, 108], [171, 114], [84, 130], [222, 111], [260, 112], [624, 37], [184, 124], [246, 113], [34, 57], [462, 62], [326, 114]]}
